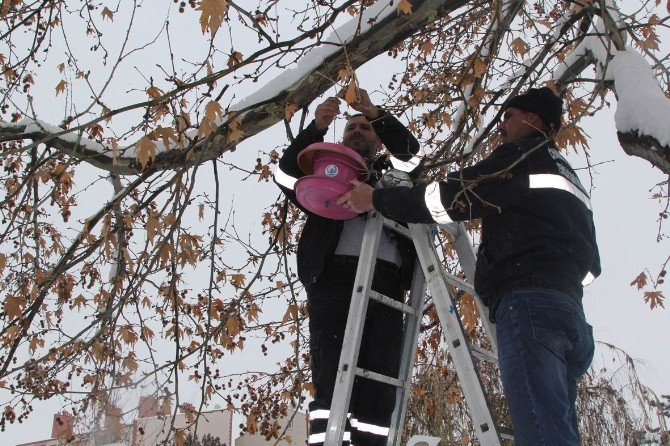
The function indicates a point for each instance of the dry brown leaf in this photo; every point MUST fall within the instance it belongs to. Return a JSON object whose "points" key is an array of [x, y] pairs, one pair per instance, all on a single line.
{"points": [[60, 88], [189, 411], [404, 7], [13, 305], [426, 47], [237, 280], [212, 117], [654, 299], [345, 73], [128, 334], [469, 313], [291, 313], [106, 13], [154, 92], [235, 58], [234, 132], [166, 134], [290, 110], [518, 46], [129, 363], [233, 326], [212, 14], [352, 92], [479, 67], [9, 73], [571, 137], [179, 437], [640, 281], [650, 39], [309, 387], [251, 424], [145, 151]]}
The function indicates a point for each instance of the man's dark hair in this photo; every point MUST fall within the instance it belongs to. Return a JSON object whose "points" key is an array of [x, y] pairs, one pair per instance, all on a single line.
{"points": [[543, 102]]}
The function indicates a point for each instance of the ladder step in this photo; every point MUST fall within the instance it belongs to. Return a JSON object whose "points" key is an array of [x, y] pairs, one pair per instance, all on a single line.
{"points": [[436, 274], [397, 227], [379, 377], [392, 303], [484, 354], [506, 433]]}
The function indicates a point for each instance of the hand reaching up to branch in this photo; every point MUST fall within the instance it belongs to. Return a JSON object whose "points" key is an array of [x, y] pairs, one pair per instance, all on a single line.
{"points": [[326, 112], [362, 104]]}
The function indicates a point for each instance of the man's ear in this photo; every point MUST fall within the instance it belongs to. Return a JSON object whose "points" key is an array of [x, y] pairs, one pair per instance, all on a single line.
{"points": [[535, 120], [379, 145]]}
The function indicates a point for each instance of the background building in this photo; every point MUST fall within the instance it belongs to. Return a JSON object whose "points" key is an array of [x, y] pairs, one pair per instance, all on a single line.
{"points": [[151, 425], [296, 431]]}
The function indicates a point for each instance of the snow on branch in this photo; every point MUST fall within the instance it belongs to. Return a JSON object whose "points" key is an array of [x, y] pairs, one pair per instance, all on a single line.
{"points": [[643, 110], [355, 43]]}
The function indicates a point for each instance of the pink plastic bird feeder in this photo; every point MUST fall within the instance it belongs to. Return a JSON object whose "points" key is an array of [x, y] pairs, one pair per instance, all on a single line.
{"points": [[329, 168]]}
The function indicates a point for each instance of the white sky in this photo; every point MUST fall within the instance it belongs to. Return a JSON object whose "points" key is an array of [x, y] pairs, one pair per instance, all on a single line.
{"points": [[625, 220]]}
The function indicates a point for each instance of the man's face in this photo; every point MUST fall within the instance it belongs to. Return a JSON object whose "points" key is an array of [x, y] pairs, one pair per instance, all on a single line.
{"points": [[360, 136], [517, 124]]}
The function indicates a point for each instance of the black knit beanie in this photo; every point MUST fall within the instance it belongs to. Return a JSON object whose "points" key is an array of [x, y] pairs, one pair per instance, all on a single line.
{"points": [[543, 102]]}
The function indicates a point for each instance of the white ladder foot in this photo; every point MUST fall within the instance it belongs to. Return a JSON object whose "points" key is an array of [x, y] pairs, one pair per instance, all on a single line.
{"points": [[423, 440]]}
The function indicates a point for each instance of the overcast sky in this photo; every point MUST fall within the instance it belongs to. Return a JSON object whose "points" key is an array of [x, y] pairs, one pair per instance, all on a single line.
{"points": [[626, 222]]}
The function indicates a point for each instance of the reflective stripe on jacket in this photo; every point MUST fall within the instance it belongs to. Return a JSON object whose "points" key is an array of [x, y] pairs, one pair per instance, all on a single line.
{"points": [[537, 224]]}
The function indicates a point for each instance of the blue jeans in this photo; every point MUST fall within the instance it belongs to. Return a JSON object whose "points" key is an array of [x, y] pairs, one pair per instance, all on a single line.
{"points": [[544, 346]]}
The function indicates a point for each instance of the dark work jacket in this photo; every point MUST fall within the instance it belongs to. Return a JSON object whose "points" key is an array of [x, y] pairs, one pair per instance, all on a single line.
{"points": [[537, 224], [320, 235]]}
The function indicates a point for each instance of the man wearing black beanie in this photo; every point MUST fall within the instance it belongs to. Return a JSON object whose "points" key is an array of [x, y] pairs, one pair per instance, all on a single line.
{"points": [[538, 247]]}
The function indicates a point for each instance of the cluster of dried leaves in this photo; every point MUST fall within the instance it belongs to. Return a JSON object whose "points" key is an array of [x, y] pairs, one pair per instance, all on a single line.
{"points": [[152, 285]]}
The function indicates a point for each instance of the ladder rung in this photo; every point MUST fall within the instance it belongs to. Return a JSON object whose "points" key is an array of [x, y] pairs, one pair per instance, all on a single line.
{"points": [[397, 227], [506, 433], [379, 377], [392, 303], [484, 354], [435, 272]]}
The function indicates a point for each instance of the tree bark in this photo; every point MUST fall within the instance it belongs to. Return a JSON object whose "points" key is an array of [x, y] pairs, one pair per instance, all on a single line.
{"points": [[647, 148], [381, 37]]}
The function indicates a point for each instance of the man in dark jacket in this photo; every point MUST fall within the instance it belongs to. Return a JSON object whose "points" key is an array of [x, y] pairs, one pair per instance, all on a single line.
{"points": [[538, 248], [327, 259]]}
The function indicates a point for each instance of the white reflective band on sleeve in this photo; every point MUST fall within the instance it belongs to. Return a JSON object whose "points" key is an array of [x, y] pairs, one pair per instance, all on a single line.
{"points": [[316, 438], [319, 414], [320, 438], [434, 204], [284, 179], [588, 279], [369, 428], [550, 181], [407, 166]]}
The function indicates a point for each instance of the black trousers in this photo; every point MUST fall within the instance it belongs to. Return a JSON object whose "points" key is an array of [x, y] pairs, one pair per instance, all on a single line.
{"points": [[372, 403]]}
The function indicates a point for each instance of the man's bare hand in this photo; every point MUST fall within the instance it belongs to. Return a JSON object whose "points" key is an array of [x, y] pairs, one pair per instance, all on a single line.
{"points": [[326, 112], [359, 199], [362, 104]]}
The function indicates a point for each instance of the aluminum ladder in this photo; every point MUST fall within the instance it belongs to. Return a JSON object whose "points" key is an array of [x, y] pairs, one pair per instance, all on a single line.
{"points": [[428, 273]]}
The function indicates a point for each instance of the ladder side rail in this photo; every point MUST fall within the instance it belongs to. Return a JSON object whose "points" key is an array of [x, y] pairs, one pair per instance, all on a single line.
{"points": [[468, 260], [409, 347], [475, 397], [354, 331]]}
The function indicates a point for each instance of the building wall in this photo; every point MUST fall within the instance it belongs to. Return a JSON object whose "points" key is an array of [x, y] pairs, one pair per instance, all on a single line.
{"points": [[297, 432], [217, 423]]}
